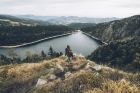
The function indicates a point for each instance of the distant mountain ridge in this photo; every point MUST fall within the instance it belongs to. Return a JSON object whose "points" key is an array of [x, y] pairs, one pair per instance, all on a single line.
{"points": [[8, 20], [73, 19], [32, 20], [68, 19], [43, 18]]}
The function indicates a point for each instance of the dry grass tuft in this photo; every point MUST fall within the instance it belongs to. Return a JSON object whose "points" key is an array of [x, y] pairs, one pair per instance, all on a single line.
{"points": [[116, 87]]}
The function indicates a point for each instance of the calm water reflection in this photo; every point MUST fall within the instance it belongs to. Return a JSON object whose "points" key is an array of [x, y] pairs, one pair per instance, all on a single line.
{"points": [[80, 44]]}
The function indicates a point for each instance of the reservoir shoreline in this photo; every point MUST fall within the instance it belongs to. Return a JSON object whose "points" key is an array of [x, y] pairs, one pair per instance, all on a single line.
{"points": [[96, 39], [35, 42]]}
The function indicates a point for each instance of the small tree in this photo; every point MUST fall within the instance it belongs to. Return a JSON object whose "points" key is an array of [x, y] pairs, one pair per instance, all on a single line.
{"points": [[51, 51], [43, 54]]}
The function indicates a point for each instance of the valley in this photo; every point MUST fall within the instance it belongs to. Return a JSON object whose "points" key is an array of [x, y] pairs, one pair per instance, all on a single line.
{"points": [[106, 56]]}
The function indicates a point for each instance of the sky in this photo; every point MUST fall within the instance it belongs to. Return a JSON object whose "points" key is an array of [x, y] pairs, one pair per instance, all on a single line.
{"points": [[83, 8]]}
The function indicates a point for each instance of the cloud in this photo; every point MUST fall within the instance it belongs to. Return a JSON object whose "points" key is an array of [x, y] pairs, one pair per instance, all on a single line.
{"points": [[96, 8], [131, 5], [127, 3]]}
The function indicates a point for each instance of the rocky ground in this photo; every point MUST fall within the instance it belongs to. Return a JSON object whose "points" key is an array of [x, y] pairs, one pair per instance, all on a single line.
{"points": [[59, 76]]}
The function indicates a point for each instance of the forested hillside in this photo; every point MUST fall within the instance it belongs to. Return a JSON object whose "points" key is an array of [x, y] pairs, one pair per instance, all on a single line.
{"points": [[13, 35], [123, 55], [15, 30], [124, 29], [80, 25], [123, 49]]}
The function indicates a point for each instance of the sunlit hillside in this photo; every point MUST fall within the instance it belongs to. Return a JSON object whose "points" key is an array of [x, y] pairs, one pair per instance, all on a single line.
{"points": [[59, 76]]}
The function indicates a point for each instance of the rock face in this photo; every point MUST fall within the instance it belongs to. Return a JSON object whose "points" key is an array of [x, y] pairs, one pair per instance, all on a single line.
{"points": [[124, 29]]}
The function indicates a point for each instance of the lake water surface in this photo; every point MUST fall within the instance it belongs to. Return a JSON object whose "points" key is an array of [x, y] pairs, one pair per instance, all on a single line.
{"points": [[79, 43]]}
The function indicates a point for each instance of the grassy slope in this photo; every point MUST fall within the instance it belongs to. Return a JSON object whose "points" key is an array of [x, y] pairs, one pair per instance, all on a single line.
{"points": [[21, 78]]}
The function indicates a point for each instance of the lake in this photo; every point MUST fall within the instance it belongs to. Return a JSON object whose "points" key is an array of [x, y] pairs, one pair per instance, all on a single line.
{"points": [[79, 43]]}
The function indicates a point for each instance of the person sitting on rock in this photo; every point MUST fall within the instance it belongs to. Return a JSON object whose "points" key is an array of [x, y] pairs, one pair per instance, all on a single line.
{"points": [[69, 53]]}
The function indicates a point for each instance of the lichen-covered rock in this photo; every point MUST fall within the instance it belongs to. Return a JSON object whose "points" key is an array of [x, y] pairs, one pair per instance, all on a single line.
{"points": [[52, 77], [60, 67], [51, 70], [67, 74], [41, 82], [97, 67], [78, 66]]}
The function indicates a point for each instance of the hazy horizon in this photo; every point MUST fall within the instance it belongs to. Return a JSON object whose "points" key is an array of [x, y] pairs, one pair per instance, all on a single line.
{"points": [[80, 8]]}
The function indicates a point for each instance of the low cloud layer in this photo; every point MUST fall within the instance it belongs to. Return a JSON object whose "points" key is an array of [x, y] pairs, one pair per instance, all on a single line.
{"points": [[91, 8]]}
